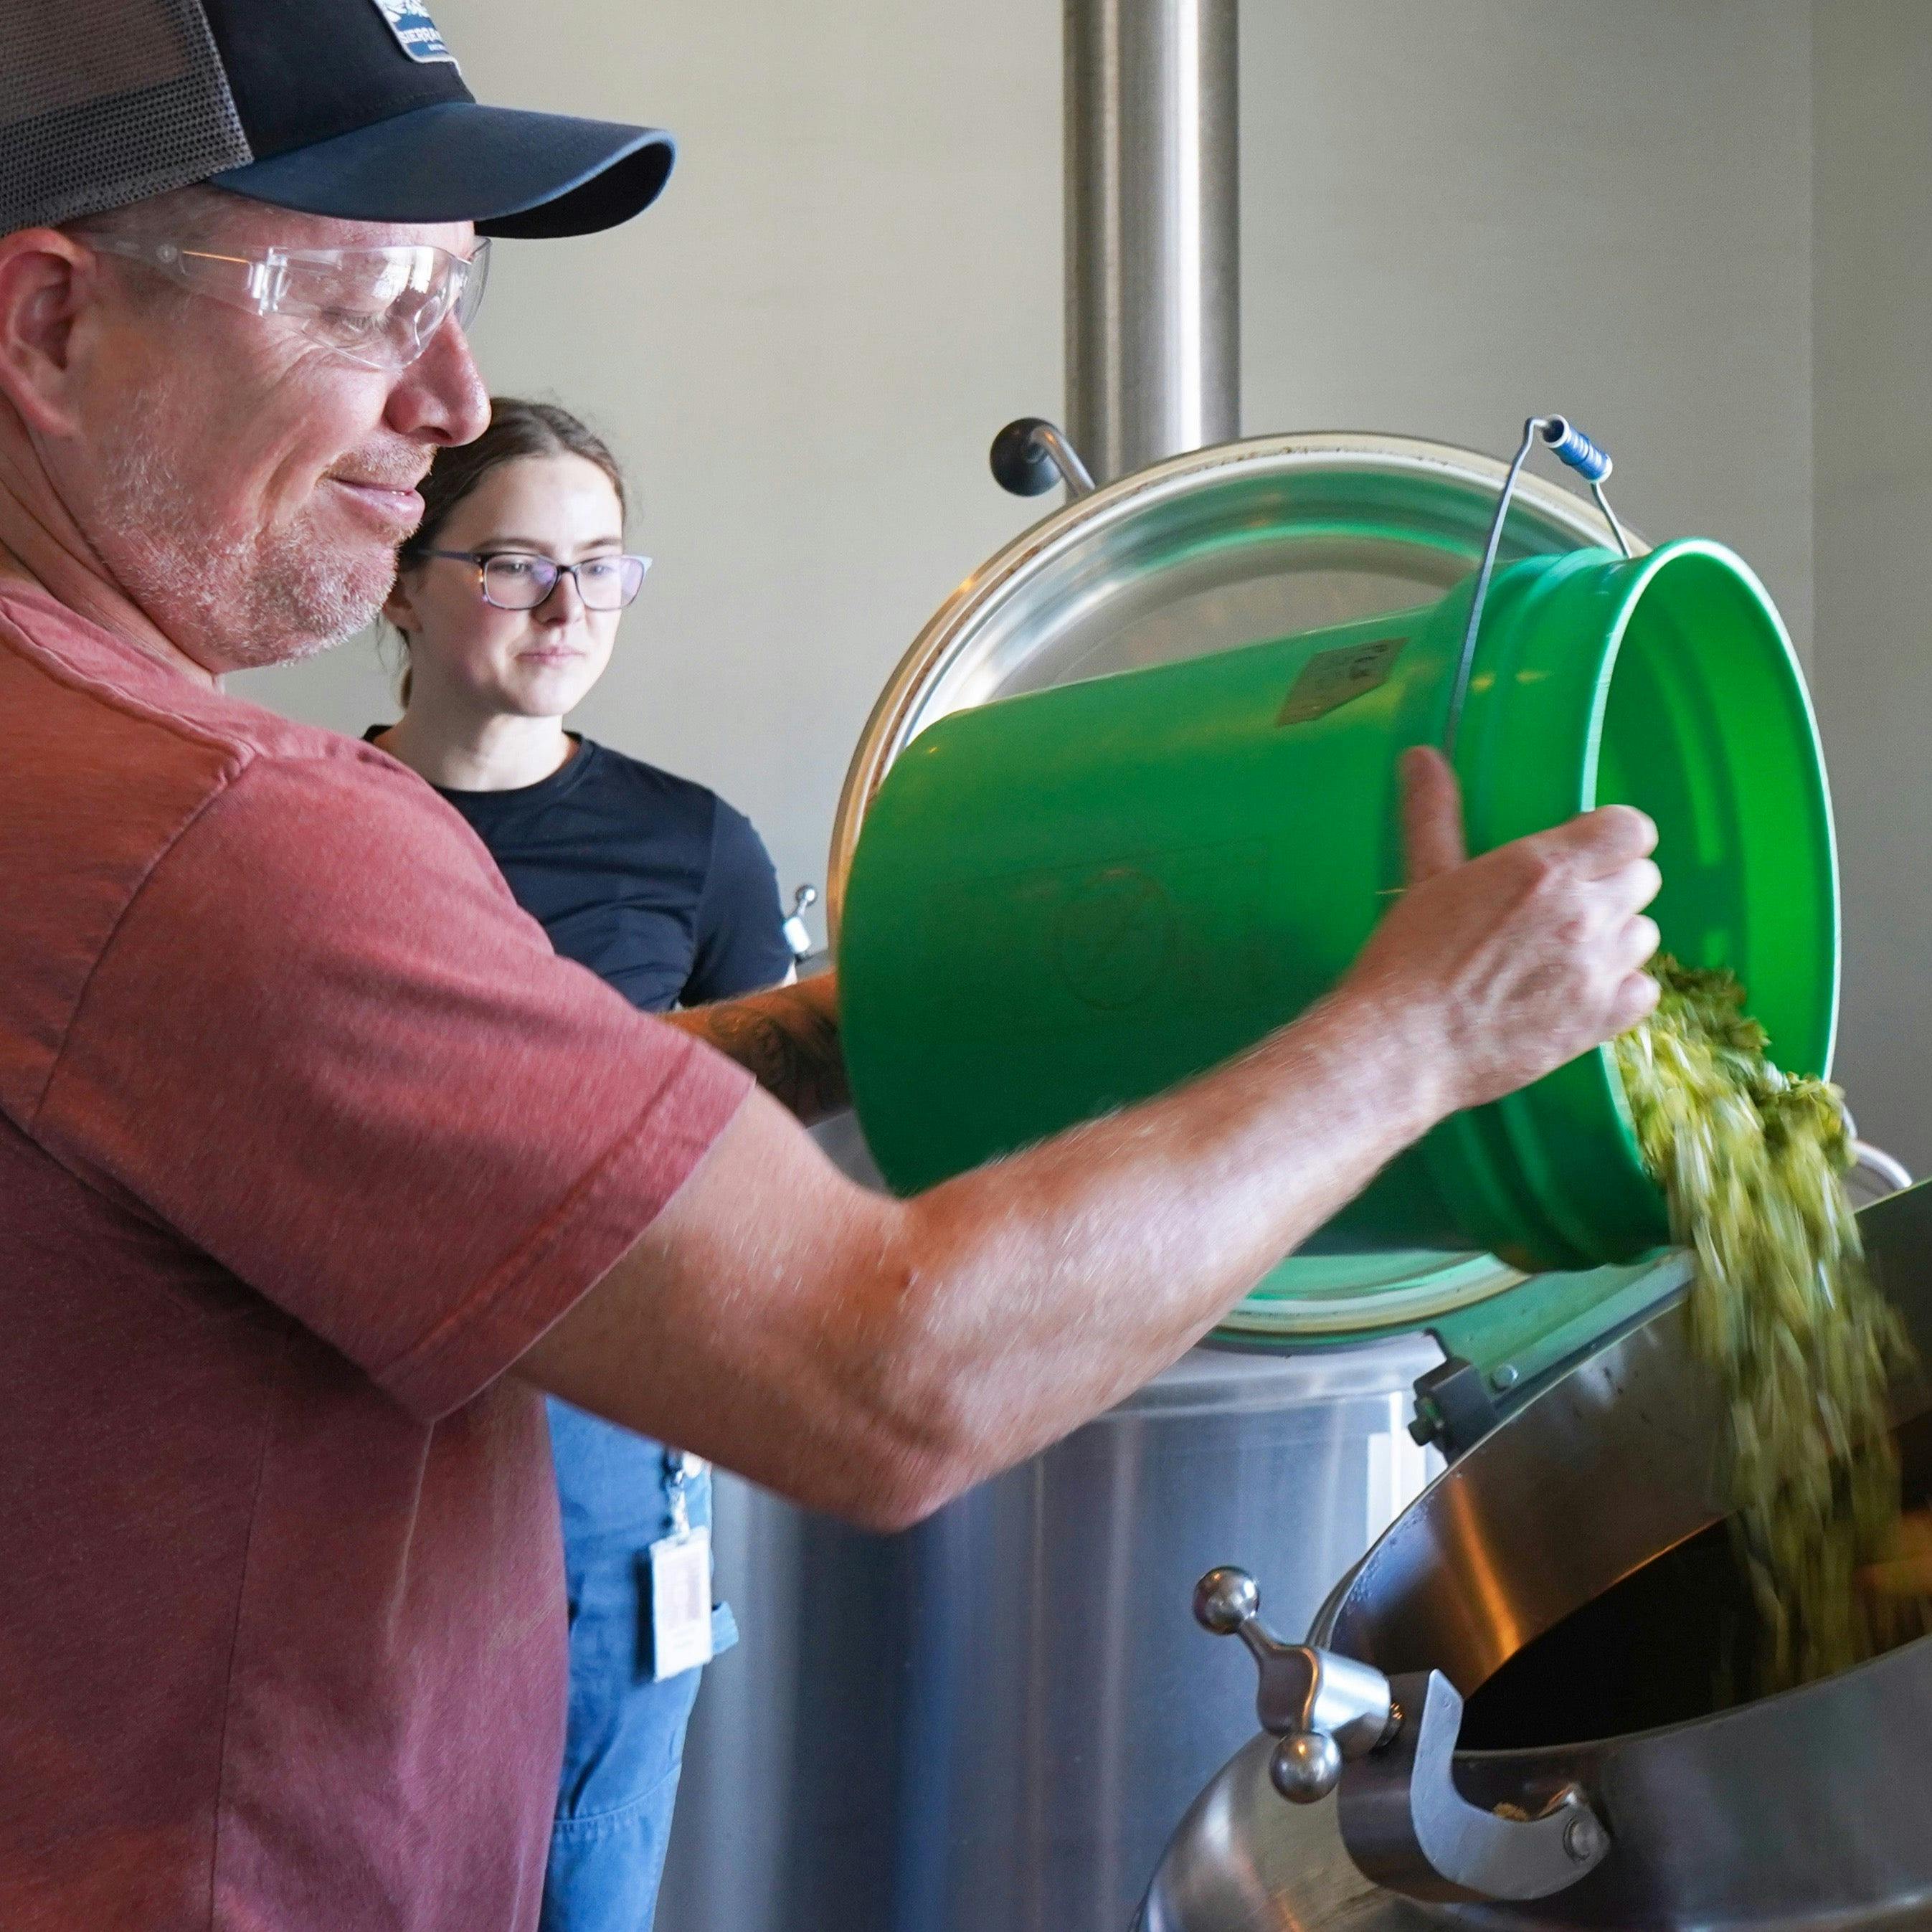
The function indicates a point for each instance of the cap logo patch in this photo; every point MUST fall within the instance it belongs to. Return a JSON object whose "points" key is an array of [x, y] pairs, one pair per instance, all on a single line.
{"points": [[415, 32]]}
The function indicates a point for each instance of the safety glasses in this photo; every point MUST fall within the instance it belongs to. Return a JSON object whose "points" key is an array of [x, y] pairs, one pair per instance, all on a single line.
{"points": [[380, 307]]}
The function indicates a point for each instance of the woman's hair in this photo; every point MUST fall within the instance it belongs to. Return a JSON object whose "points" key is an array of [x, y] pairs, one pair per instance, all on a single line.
{"points": [[518, 429]]}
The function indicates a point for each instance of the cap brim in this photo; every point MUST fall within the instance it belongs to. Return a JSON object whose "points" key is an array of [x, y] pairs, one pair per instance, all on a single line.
{"points": [[510, 171]]}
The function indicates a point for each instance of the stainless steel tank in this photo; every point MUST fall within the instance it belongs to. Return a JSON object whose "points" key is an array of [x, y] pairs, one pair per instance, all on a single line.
{"points": [[1570, 1577], [996, 1720]]}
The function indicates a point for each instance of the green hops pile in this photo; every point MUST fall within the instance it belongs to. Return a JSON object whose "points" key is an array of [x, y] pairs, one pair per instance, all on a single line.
{"points": [[1802, 1346]]}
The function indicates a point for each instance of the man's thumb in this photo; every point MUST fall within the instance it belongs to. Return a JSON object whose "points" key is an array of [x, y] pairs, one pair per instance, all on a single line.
{"points": [[1432, 814]]}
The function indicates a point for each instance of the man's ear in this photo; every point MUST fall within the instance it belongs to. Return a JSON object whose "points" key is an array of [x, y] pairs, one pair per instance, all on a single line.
{"points": [[47, 282]]}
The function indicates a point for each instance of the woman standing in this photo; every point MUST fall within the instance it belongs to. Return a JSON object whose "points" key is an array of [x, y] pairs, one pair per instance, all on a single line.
{"points": [[507, 599]]}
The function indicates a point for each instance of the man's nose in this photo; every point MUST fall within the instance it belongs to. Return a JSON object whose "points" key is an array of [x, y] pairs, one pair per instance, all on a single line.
{"points": [[441, 397]]}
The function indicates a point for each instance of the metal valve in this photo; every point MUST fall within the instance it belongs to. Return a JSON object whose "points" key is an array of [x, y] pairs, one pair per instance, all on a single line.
{"points": [[1324, 1708], [1388, 1744]]}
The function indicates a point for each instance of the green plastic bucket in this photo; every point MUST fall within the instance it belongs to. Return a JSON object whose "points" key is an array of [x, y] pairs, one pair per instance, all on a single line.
{"points": [[1064, 902]]}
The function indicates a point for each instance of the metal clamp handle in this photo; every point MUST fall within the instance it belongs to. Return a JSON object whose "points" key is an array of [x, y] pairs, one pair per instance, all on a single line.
{"points": [[1388, 1744], [1406, 1826], [1030, 455]]}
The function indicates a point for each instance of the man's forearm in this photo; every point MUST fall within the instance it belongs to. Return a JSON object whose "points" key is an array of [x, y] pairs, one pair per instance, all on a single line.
{"points": [[873, 1356], [788, 1039], [1046, 1287]]}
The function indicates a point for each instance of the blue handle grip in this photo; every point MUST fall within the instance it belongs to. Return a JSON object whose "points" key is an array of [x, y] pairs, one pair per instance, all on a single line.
{"points": [[1569, 445]]}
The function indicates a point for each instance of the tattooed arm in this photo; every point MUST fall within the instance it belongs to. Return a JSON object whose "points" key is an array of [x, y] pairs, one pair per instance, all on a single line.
{"points": [[788, 1038]]}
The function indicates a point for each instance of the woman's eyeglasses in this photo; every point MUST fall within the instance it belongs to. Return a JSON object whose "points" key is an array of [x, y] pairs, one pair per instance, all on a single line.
{"points": [[515, 580]]}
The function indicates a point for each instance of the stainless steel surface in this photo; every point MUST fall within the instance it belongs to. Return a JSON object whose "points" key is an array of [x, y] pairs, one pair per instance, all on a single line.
{"points": [[1323, 1708], [1530, 1524], [1153, 228], [1800, 1812], [994, 1721], [1221, 548], [1243, 1862]]}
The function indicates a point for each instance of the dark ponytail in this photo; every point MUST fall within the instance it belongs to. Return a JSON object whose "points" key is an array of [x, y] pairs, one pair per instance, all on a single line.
{"points": [[518, 429]]}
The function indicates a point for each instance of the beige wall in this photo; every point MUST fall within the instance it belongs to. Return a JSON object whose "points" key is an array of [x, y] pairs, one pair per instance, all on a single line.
{"points": [[855, 279], [1461, 211], [1872, 317]]}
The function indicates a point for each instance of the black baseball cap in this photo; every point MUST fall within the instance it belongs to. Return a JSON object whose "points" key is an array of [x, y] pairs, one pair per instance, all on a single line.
{"points": [[355, 109]]}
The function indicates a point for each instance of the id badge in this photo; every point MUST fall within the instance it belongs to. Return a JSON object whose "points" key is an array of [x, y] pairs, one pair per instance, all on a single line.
{"points": [[680, 1603]]}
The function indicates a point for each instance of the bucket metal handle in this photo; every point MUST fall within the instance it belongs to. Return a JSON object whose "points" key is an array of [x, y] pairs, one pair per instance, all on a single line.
{"points": [[1387, 1744], [1571, 447]]}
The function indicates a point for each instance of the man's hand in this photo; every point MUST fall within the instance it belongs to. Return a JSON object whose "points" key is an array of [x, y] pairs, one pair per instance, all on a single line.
{"points": [[1497, 969]]}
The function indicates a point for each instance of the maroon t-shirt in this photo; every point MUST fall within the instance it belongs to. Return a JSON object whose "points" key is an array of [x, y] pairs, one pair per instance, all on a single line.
{"points": [[305, 1136]]}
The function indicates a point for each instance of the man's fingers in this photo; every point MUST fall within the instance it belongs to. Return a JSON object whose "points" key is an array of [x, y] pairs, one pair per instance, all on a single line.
{"points": [[1617, 898], [1637, 943], [1635, 1000], [1432, 814], [1603, 841], [1645, 882]]}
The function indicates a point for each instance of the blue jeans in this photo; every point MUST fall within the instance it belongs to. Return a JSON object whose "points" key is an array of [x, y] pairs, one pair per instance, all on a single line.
{"points": [[624, 1746]]}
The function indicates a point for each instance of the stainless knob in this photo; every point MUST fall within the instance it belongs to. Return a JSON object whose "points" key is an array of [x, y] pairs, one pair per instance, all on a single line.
{"points": [[1306, 1767], [1225, 1599], [1325, 1708]]}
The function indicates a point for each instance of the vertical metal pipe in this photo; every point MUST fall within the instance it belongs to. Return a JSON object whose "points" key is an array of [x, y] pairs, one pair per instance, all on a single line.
{"points": [[1153, 228]]}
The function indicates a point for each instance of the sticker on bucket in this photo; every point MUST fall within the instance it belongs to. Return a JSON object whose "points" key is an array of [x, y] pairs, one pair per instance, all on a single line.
{"points": [[1331, 679]]}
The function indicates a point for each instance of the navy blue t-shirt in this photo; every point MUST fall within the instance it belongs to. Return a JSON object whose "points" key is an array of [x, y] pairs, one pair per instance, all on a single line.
{"points": [[654, 883]]}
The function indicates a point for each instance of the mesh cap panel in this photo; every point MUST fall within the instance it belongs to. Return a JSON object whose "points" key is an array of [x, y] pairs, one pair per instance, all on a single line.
{"points": [[104, 102]]}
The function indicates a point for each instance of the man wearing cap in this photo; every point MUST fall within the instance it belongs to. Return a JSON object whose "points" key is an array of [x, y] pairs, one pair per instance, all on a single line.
{"points": [[316, 1166]]}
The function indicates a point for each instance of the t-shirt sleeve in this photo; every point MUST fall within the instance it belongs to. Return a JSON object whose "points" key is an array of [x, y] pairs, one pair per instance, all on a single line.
{"points": [[324, 1046], [740, 942]]}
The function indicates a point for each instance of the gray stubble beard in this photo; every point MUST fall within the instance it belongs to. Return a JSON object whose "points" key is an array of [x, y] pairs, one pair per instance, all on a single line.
{"points": [[232, 602]]}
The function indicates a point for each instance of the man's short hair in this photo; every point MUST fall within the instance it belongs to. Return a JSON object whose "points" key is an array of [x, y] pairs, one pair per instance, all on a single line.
{"points": [[186, 215]]}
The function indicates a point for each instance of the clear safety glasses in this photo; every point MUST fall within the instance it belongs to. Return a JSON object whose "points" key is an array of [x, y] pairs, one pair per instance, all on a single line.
{"points": [[378, 306]]}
